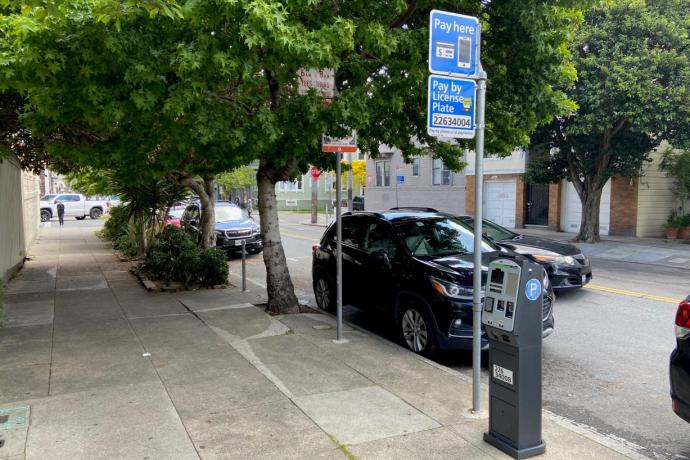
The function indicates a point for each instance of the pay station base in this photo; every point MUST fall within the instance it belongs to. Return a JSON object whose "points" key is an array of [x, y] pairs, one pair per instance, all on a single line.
{"points": [[512, 451]]}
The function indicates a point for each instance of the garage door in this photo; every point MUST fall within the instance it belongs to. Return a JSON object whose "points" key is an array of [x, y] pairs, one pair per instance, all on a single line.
{"points": [[499, 202], [573, 210]]}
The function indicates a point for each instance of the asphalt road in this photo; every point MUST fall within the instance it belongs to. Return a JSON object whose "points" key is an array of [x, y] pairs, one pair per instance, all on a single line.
{"points": [[605, 366]]}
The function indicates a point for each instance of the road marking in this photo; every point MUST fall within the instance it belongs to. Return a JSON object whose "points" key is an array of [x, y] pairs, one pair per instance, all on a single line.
{"points": [[639, 295], [300, 237]]}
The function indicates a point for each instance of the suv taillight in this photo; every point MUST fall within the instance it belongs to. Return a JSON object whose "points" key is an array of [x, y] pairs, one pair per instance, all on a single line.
{"points": [[315, 247], [683, 320]]}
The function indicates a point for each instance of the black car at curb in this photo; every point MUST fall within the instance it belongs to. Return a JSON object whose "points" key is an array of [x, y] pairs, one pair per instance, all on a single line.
{"points": [[233, 225], [416, 265], [565, 264], [679, 368]]}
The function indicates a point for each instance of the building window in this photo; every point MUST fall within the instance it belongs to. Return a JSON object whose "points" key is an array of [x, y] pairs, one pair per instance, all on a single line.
{"points": [[415, 167], [383, 173], [296, 185], [441, 175]]}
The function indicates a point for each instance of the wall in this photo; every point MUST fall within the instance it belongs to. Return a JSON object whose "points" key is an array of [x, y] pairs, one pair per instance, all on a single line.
{"points": [[416, 191], [655, 198], [514, 163], [19, 218]]}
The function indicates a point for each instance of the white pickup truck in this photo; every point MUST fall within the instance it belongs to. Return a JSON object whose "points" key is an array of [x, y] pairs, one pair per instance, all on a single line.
{"points": [[76, 205]]}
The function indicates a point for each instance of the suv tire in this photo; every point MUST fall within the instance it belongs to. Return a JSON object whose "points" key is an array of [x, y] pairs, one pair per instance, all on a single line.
{"points": [[46, 215], [417, 329], [324, 291]]}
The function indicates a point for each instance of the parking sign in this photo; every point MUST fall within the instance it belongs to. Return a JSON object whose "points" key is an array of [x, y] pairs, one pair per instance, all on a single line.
{"points": [[454, 42], [451, 107]]}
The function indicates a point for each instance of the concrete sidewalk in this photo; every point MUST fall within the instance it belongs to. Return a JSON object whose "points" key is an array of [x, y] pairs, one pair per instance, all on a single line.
{"points": [[93, 366]]}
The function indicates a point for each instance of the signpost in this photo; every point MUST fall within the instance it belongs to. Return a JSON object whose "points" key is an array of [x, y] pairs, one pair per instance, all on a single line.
{"points": [[399, 180], [457, 91], [339, 145]]}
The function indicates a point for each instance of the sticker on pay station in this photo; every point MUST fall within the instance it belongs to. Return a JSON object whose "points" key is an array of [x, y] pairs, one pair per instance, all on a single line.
{"points": [[451, 107]]}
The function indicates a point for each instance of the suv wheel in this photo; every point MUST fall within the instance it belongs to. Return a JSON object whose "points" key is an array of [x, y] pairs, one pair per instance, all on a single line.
{"points": [[417, 330], [324, 293], [46, 215]]}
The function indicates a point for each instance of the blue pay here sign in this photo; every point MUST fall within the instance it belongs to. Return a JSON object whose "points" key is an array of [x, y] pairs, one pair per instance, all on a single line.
{"points": [[453, 43], [451, 107]]}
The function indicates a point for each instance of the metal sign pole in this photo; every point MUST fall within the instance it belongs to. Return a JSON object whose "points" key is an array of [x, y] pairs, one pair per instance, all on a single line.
{"points": [[339, 249], [349, 185], [244, 265], [478, 232]]}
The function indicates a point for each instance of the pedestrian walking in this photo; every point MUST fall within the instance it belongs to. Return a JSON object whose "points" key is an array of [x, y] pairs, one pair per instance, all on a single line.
{"points": [[61, 213], [249, 207]]}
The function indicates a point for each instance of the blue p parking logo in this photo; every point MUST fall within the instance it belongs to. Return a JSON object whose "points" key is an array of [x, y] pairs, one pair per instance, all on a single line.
{"points": [[533, 289]]}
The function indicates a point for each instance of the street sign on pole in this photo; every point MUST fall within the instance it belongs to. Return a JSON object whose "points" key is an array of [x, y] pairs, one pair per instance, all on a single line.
{"points": [[454, 41], [339, 255], [346, 144], [451, 107], [400, 179]]}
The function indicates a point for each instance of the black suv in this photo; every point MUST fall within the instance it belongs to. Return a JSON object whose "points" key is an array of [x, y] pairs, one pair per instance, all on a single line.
{"points": [[416, 265]]}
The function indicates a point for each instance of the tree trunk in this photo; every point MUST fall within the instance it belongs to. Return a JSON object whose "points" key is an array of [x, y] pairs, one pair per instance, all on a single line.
{"points": [[281, 292], [589, 223], [204, 189]]}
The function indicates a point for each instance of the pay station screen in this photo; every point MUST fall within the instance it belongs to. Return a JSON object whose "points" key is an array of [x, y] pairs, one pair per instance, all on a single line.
{"points": [[501, 299]]}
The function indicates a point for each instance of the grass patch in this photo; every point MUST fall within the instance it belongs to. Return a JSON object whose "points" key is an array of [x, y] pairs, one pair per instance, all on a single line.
{"points": [[342, 447], [289, 332]]}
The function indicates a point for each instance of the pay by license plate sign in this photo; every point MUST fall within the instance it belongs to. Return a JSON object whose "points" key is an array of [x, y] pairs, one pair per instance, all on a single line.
{"points": [[451, 107], [503, 374]]}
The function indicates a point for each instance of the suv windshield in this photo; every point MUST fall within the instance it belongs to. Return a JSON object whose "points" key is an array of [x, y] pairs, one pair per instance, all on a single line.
{"points": [[225, 213], [439, 237], [48, 197]]}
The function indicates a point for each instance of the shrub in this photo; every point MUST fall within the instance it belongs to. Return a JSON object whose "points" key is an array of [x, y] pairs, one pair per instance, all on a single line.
{"points": [[116, 224], [176, 257], [127, 246], [213, 267]]}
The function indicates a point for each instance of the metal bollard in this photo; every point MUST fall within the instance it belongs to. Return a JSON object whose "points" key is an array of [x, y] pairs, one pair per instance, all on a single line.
{"points": [[244, 266]]}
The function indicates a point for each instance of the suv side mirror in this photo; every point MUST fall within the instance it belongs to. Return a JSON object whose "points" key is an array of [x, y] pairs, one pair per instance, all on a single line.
{"points": [[380, 259]]}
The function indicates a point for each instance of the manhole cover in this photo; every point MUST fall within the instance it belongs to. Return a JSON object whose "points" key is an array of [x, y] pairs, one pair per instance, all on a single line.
{"points": [[13, 417], [322, 327]]}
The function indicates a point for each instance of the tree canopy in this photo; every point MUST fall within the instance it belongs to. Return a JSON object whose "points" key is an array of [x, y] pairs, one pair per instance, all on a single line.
{"points": [[633, 64], [199, 87]]}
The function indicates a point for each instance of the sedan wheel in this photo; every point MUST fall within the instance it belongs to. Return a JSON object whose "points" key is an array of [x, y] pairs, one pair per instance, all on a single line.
{"points": [[415, 331]]}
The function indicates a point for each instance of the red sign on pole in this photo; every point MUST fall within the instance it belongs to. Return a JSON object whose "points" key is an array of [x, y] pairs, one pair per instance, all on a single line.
{"points": [[315, 173]]}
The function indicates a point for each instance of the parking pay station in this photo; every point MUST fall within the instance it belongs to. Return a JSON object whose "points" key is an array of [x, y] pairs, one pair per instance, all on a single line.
{"points": [[512, 317]]}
